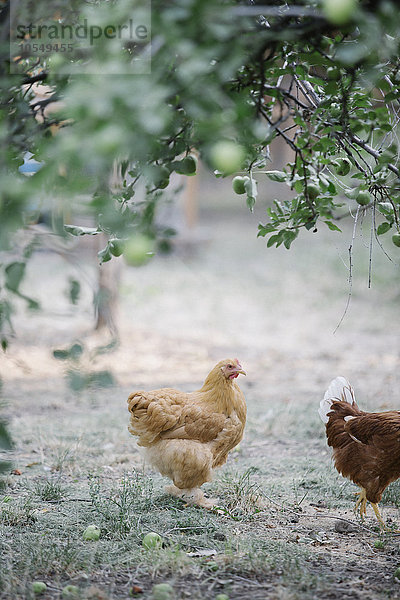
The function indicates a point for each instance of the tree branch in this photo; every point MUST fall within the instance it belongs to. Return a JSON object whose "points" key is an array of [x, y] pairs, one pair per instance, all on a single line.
{"points": [[354, 138]]}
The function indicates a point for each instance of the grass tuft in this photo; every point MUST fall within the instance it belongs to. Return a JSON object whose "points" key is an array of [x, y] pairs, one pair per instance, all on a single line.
{"points": [[49, 490], [242, 497]]}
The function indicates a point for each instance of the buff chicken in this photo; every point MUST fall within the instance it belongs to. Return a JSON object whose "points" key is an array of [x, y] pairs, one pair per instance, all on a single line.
{"points": [[366, 446], [185, 436]]}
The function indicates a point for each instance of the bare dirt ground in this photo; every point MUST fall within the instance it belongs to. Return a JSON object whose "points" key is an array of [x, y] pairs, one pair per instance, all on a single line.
{"points": [[223, 294]]}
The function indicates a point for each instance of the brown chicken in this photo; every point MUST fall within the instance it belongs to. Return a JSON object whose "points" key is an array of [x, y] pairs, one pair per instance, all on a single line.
{"points": [[366, 446], [187, 435]]}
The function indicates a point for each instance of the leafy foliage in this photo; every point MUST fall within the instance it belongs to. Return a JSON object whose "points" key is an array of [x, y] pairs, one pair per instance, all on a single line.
{"points": [[77, 375], [226, 80]]}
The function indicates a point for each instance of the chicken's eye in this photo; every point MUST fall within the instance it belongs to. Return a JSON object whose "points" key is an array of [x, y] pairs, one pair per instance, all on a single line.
{"points": [[230, 367]]}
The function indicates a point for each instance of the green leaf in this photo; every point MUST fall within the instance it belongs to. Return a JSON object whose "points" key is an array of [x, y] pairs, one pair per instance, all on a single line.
{"points": [[61, 354], [331, 188], [105, 254], [332, 226], [76, 351], [76, 380], [14, 274], [74, 290], [298, 186], [352, 193], [32, 304], [276, 175], [274, 239], [389, 97], [102, 379], [263, 230], [324, 144], [251, 189], [78, 231], [73, 353], [310, 224], [250, 201], [383, 228], [289, 237]]}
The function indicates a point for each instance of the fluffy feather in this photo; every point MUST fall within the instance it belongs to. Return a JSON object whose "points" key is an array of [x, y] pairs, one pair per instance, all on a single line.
{"points": [[339, 389], [187, 435]]}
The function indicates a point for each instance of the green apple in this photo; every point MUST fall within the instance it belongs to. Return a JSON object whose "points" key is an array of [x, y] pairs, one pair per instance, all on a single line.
{"points": [[342, 166], [397, 573], [227, 157], [116, 247], [152, 540], [363, 197], [187, 166], [313, 191], [38, 587], [70, 592], [339, 11], [239, 184], [92, 532], [221, 597], [396, 242], [138, 250], [162, 591]]}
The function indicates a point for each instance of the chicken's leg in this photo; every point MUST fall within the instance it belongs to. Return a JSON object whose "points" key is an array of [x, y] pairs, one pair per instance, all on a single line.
{"points": [[361, 503], [194, 496], [378, 515]]}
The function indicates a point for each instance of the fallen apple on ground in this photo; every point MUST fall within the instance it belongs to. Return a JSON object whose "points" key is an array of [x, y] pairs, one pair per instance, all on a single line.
{"points": [[38, 587], [152, 540], [92, 532], [162, 591], [70, 592]]}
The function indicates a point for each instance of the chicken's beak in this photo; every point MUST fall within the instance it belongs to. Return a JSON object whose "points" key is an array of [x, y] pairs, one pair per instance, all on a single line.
{"points": [[240, 371]]}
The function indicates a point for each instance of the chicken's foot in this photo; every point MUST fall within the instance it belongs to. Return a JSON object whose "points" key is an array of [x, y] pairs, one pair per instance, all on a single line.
{"points": [[192, 497], [361, 503]]}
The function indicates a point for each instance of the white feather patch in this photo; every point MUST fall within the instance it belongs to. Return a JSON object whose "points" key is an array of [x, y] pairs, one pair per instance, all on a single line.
{"points": [[324, 408], [339, 389]]}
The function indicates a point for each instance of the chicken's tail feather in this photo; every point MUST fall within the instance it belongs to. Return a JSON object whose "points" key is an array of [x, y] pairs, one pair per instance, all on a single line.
{"points": [[339, 389]]}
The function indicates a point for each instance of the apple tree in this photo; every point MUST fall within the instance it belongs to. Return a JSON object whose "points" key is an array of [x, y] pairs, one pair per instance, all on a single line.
{"points": [[224, 80]]}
